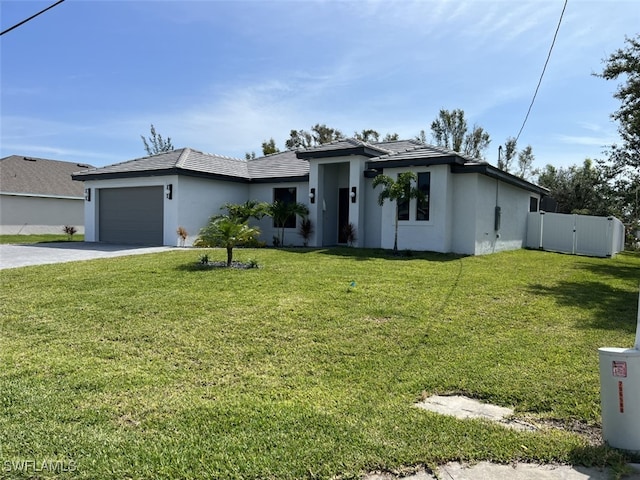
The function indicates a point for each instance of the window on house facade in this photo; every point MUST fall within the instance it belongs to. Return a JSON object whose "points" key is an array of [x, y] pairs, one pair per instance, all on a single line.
{"points": [[403, 210], [533, 204], [422, 205], [286, 195]]}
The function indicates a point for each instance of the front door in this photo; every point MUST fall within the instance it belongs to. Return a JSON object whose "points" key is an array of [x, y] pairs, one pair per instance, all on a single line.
{"points": [[343, 214]]}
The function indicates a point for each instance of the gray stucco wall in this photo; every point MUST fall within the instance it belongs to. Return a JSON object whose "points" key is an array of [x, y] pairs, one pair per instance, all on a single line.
{"points": [[30, 215]]}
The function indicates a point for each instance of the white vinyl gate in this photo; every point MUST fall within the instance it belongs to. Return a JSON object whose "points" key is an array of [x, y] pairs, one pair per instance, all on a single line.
{"points": [[576, 234]]}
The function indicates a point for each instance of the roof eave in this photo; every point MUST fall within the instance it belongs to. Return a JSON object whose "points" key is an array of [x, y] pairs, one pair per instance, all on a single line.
{"points": [[414, 162], [493, 172], [362, 150], [299, 178], [157, 173]]}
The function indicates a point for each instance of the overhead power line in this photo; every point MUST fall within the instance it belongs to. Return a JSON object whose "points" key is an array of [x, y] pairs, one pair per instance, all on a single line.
{"points": [[31, 17], [543, 70]]}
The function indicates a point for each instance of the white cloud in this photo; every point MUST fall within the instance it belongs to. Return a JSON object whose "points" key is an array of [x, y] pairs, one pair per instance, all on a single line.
{"points": [[599, 141]]}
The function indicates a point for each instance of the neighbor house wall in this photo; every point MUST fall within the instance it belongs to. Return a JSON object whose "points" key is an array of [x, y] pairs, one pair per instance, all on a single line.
{"points": [[28, 214]]}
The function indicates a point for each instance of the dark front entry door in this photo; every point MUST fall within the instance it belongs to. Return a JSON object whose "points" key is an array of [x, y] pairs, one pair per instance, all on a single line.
{"points": [[343, 213]]}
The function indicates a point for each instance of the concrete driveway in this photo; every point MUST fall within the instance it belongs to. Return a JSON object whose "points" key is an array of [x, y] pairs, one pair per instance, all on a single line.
{"points": [[13, 256]]}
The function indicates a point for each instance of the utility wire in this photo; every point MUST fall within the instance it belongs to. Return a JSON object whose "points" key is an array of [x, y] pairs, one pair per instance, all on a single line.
{"points": [[543, 70], [31, 17]]}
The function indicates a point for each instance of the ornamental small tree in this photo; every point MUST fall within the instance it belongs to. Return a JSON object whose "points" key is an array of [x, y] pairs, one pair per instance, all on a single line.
{"points": [[402, 189]]}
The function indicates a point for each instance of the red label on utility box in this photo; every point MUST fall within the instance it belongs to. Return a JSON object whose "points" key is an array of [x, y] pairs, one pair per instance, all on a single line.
{"points": [[621, 396], [619, 369]]}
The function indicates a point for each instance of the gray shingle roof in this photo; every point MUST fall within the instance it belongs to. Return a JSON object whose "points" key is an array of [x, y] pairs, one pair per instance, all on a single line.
{"points": [[278, 165], [188, 160], [399, 145], [424, 151], [39, 176], [344, 144], [292, 165], [184, 158]]}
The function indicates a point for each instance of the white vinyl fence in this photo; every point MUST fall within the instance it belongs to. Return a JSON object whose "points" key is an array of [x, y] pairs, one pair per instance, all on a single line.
{"points": [[576, 234]]}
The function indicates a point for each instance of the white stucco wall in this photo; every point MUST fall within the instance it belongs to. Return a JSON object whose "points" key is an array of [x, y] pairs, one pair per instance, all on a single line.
{"points": [[357, 209], [264, 192], [463, 222], [432, 235], [21, 214], [474, 215], [196, 200], [372, 217]]}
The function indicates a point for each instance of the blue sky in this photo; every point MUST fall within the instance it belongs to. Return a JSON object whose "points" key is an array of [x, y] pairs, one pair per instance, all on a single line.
{"points": [[84, 80]]}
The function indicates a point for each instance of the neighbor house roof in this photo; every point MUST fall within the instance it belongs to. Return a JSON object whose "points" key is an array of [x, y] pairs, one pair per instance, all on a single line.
{"points": [[39, 177]]}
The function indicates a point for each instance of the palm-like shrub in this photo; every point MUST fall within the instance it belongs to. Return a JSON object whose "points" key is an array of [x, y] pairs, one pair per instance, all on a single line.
{"points": [[399, 190], [305, 230], [281, 211], [226, 232], [249, 209]]}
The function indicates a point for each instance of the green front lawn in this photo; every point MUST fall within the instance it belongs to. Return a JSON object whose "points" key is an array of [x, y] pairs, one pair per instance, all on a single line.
{"points": [[40, 238], [147, 367]]}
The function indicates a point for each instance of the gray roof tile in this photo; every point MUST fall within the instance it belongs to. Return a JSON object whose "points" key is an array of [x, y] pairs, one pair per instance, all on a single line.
{"points": [[424, 151], [346, 143], [39, 176], [278, 165]]}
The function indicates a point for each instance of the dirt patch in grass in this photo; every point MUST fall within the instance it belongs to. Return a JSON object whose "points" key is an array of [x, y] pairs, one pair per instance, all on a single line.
{"points": [[591, 433], [234, 264]]}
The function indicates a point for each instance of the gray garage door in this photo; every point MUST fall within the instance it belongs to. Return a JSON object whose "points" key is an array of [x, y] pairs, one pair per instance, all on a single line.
{"points": [[131, 215]]}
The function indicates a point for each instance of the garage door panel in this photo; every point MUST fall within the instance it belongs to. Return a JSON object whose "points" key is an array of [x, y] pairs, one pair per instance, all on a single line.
{"points": [[131, 215]]}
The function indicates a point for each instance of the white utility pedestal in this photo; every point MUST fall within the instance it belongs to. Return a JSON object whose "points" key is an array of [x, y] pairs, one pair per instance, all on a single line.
{"points": [[620, 394]]}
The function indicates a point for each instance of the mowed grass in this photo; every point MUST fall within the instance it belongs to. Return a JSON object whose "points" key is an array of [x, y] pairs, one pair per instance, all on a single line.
{"points": [[40, 238], [147, 367]]}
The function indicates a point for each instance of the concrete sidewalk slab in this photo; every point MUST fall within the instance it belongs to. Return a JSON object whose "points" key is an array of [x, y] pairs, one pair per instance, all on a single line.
{"points": [[520, 471], [14, 255], [464, 407]]}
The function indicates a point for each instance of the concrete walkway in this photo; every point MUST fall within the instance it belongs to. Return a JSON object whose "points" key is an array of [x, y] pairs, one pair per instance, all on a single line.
{"points": [[520, 471], [14, 256], [463, 408]]}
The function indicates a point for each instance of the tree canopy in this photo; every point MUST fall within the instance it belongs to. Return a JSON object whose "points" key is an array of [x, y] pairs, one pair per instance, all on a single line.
{"points": [[625, 62], [576, 189], [449, 130], [155, 143], [319, 135]]}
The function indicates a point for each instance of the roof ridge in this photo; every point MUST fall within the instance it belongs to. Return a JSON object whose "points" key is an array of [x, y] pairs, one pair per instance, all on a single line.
{"points": [[226, 157], [183, 157]]}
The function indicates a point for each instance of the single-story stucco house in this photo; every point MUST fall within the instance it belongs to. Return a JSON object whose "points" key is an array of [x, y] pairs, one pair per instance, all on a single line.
{"points": [[470, 206], [37, 195]]}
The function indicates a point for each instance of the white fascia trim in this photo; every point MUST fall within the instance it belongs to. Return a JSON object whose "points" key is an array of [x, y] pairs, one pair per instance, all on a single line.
{"points": [[66, 197]]}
